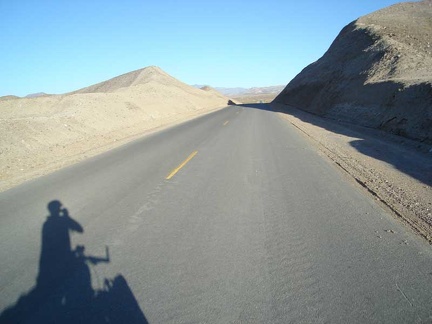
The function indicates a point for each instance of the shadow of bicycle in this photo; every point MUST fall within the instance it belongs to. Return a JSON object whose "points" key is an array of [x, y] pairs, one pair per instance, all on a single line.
{"points": [[63, 291]]}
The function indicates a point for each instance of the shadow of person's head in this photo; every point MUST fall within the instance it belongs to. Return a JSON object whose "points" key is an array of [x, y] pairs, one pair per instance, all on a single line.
{"points": [[54, 208]]}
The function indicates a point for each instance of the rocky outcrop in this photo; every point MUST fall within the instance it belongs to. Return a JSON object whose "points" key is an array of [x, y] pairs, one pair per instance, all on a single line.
{"points": [[377, 73]]}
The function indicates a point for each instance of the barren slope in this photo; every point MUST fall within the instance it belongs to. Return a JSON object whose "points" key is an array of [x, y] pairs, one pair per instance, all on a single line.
{"points": [[41, 134], [377, 73]]}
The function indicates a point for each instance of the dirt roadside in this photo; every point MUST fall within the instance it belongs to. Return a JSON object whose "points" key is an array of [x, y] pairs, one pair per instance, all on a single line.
{"points": [[90, 146], [396, 171]]}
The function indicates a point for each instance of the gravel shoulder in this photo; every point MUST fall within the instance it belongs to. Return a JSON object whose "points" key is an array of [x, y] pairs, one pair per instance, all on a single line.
{"points": [[396, 171]]}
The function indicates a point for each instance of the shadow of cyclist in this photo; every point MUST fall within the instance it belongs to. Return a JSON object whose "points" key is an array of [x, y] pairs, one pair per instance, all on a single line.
{"points": [[63, 291]]}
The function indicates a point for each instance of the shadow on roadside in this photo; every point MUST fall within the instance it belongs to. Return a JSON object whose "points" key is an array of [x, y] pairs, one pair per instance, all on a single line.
{"points": [[63, 291], [404, 154]]}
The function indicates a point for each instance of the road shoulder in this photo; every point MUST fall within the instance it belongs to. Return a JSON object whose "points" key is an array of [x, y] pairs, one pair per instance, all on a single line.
{"points": [[395, 171]]}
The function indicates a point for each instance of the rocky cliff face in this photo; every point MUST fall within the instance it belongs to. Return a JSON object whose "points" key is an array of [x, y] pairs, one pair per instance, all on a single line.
{"points": [[377, 73]]}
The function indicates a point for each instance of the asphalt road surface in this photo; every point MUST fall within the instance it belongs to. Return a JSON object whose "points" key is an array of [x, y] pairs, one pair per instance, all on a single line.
{"points": [[233, 217]]}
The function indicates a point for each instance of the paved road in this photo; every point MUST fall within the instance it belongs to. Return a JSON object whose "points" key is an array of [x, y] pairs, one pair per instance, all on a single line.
{"points": [[254, 227]]}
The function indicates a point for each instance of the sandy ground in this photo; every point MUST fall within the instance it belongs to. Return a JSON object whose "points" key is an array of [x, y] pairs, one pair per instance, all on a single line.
{"points": [[40, 135], [25, 168], [396, 171]]}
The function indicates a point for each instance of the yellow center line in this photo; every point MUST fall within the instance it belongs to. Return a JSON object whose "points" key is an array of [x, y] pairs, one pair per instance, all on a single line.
{"points": [[226, 123], [173, 172]]}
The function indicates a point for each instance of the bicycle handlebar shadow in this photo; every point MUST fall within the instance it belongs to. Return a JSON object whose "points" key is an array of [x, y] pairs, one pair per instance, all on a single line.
{"points": [[63, 291]]}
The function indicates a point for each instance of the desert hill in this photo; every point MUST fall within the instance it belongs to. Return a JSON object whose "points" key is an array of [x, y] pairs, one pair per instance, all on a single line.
{"points": [[236, 92], [256, 94], [140, 76], [41, 134], [213, 91], [251, 95], [9, 97], [151, 74], [32, 95], [37, 94], [377, 73]]}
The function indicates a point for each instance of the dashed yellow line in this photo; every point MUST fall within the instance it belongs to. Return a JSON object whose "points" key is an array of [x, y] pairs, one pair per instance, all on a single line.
{"points": [[226, 123], [173, 172]]}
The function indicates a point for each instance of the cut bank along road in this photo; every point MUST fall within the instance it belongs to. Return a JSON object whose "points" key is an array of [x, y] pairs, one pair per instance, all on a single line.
{"points": [[231, 217]]}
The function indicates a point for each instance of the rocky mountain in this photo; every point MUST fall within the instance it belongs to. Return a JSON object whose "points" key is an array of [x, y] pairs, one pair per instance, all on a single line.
{"points": [[377, 73], [37, 94]]}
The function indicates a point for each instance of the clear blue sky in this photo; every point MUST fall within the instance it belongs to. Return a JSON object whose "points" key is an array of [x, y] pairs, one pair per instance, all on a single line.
{"points": [[58, 46]]}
